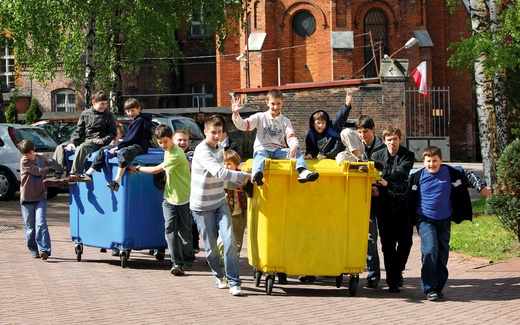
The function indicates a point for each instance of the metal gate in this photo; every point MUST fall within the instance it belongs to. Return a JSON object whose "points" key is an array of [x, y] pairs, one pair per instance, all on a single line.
{"points": [[428, 120]]}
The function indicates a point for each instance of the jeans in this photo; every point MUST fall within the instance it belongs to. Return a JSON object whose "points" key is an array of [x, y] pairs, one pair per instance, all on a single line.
{"points": [[435, 249], [260, 155], [212, 224], [373, 267], [177, 231], [35, 224]]}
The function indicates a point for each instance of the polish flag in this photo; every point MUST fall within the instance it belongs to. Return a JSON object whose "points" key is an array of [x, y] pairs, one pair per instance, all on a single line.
{"points": [[419, 75]]}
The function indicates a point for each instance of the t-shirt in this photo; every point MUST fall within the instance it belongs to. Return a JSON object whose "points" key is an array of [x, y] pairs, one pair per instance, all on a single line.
{"points": [[434, 194], [177, 188]]}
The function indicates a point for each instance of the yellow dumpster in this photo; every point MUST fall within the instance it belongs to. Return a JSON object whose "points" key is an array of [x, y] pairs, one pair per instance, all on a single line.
{"points": [[316, 228]]}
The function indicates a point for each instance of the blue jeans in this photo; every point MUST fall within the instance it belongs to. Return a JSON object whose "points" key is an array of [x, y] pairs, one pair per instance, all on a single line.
{"points": [[435, 249], [373, 267], [260, 155], [35, 224], [213, 224], [177, 231]]}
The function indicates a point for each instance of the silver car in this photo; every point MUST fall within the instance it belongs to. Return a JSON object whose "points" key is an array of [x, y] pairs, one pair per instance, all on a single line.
{"points": [[180, 122], [10, 136]]}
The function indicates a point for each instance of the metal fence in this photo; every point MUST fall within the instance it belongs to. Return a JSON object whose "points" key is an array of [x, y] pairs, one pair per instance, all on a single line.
{"points": [[428, 116]]}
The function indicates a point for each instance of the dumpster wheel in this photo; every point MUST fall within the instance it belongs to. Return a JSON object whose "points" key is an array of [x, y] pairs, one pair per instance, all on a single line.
{"points": [[258, 277], [124, 258], [352, 284], [269, 281], [339, 279], [78, 250]]}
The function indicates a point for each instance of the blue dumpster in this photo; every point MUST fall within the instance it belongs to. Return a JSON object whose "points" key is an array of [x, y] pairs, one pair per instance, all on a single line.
{"points": [[129, 219]]}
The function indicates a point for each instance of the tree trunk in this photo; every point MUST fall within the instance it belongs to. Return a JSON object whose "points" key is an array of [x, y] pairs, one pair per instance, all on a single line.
{"points": [[116, 92], [89, 59], [484, 96], [499, 82]]}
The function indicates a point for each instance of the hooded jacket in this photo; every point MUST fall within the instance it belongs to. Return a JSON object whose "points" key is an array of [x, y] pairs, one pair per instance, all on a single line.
{"points": [[139, 132], [328, 142]]}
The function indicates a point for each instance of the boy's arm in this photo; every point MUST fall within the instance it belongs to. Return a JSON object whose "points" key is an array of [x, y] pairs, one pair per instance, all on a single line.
{"points": [[342, 115], [78, 135], [138, 128], [33, 169], [477, 183], [208, 162], [146, 169], [112, 131], [311, 150]]}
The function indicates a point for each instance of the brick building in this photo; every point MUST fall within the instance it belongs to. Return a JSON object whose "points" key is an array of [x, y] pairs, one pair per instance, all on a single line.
{"points": [[294, 44]]}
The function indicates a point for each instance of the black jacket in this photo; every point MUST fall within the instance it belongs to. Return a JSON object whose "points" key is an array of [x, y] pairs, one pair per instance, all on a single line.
{"points": [[460, 199], [93, 124], [392, 199], [327, 142], [139, 132]]}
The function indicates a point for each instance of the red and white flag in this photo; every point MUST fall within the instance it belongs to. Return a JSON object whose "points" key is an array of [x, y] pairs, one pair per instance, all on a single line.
{"points": [[419, 75]]}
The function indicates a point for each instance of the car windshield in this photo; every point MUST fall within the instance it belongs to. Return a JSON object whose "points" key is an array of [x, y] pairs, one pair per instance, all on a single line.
{"points": [[188, 126], [41, 139]]}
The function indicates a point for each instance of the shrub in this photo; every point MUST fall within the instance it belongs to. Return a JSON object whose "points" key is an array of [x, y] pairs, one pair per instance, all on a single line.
{"points": [[33, 113], [505, 202], [11, 116]]}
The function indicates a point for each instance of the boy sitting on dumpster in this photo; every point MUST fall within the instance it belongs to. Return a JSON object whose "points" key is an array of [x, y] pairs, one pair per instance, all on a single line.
{"points": [[323, 139], [273, 130], [136, 142]]}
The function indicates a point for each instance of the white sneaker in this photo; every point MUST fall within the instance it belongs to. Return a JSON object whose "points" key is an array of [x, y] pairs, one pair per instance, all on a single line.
{"points": [[221, 283], [307, 176], [236, 291]]}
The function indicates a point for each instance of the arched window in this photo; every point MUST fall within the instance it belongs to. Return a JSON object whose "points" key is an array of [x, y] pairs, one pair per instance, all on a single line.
{"points": [[376, 22]]}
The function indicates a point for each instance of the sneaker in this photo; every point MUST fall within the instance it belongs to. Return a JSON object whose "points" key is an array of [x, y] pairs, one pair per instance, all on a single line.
{"points": [[115, 251], [432, 296], [81, 178], [114, 186], [68, 181], [159, 255], [248, 188], [307, 176], [177, 270], [52, 182], [372, 284], [258, 178], [236, 291], [35, 255], [440, 295], [363, 168], [401, 281], [44, 256], [221, 283], [188, 266]]}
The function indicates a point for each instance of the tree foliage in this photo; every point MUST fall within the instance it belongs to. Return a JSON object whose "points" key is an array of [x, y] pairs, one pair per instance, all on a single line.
{"points": [[11, 116], [505, 202], [33, 113], [52, 34]]}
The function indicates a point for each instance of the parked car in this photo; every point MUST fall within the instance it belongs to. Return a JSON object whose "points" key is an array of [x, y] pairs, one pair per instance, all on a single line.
{"points": [[10, 136], [180, 122], [62, 126]]}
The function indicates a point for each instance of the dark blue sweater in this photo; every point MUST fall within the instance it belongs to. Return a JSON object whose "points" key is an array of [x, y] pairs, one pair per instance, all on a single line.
{"points": [[139, 132]]}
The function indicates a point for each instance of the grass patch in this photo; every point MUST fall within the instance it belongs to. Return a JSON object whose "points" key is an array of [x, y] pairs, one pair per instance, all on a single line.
{"points": [[485, 237]]}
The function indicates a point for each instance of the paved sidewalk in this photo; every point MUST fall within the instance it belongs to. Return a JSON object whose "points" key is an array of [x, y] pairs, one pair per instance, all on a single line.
{"points": [[97, 290]]}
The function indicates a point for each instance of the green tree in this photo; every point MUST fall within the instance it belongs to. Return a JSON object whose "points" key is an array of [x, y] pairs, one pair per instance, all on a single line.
{"points": [[33, 113], [11, 116], [94, 39], [505, 202]]}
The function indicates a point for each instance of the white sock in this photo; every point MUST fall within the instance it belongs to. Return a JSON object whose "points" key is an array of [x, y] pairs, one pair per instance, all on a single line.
{"points": [[117, 180], [90, 171]]}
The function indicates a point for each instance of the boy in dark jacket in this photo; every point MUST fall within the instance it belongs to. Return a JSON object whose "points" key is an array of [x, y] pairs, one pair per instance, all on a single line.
{"points": [[438, 196], [323, 139], [136, 142]]}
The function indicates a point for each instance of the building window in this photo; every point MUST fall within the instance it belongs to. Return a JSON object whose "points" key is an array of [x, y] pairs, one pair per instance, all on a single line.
{"points": [[7, 65], [376, 22], [65, 101], [205, 100], [304, 23], [197, 26]]}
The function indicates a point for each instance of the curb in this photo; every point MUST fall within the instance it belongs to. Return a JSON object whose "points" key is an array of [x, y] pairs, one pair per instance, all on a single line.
{"points": [[471, 258]]}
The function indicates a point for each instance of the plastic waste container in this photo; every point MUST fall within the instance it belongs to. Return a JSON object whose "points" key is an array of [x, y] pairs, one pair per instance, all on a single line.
{"points": [[130, 218], [317, 228]]}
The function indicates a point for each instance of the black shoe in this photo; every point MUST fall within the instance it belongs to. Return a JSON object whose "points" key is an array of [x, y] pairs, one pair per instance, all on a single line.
{"points": [[440, 295], [258, 178], [103, 250], [394, 289], [282, 278], [114, 186], [159, 255], [372, 284], [401, 281], [248, 188]]}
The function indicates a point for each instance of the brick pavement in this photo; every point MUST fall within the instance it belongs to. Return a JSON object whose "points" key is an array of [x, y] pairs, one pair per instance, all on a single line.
{"points": [[98, 291]]}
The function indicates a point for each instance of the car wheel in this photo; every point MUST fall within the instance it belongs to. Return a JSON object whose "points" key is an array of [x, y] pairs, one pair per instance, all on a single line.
{"points": [[7, 186]]}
